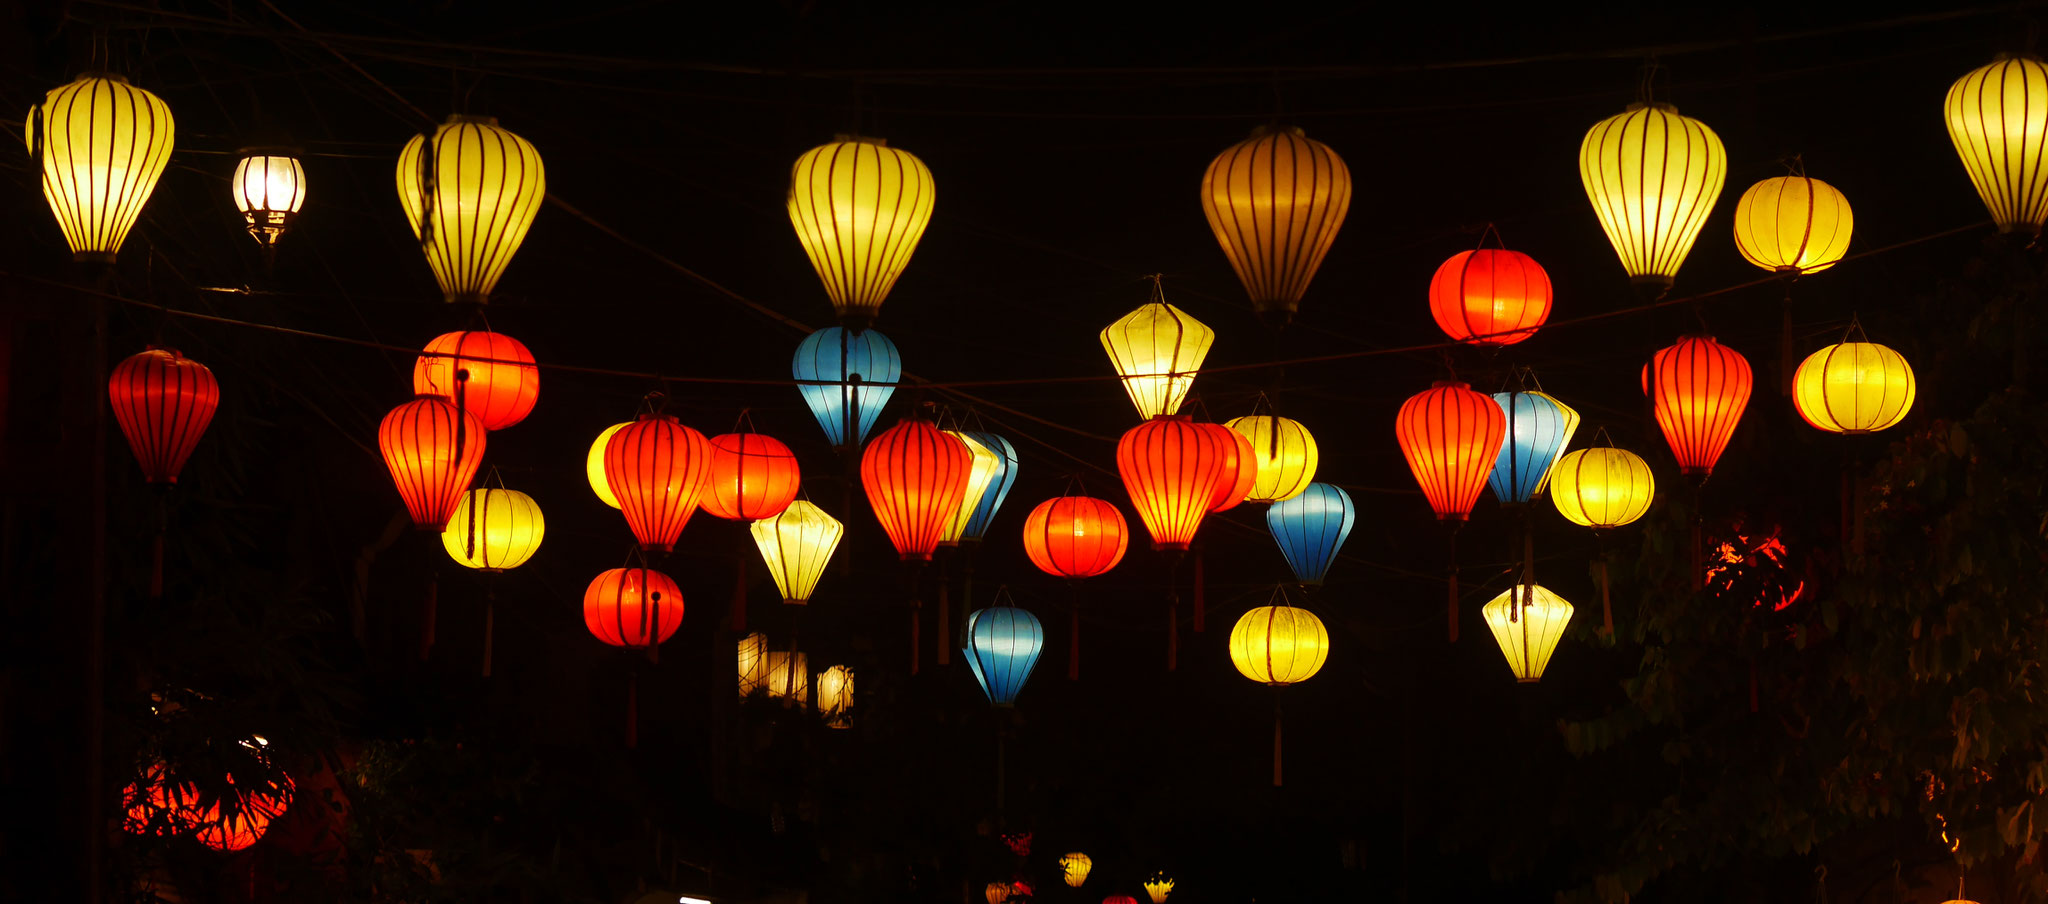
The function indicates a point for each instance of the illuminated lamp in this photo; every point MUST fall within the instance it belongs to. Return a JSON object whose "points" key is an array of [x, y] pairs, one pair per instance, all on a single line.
{"points": [[1527, 622], [1157, 350], [490, 375], [1490, 296], [1451, 437], [635, 608], [859, 207], [916, 480], [1310, 528], [432, 450], [470, 195], [593, 465], [1285, 452], [494, 530], [1793, 225], [269, 186], [163, 402], [1158, 887], [1998, 118], [835, 696], [752, 476], [796, 545], [1279, 645], [1170, 467], [1239, 459], [155, 804], [1853, 388], [846, 378], [1275, 201], [1003, 643], [1698, 388], [1602, 487], [978, 507], [1538, 428], [1653, 177], [657, 468], [1074, 868], [1075, 536], [996, 892], [101, 144]]}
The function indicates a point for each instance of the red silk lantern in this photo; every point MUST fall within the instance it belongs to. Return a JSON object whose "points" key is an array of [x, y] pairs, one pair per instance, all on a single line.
{"points": [[1239, 460], [433, 451], [632, 607], [1171, 466], [1699, 388], [753, 476], [916, 480], [163, 402], [1491, 296], [490, 375], [1075, 536], [657, 467], [1451, 437], [154, 804]]}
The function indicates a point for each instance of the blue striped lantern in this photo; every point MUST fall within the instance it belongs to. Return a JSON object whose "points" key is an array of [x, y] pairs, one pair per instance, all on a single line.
{"points": [[833, 398], [1539, 428], [999, 484], [1310, 528], [1003, 643]]}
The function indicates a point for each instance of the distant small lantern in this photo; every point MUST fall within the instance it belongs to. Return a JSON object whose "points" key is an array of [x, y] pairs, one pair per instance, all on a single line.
{"points": [[470, 196], [753, 664], [1275, 202], [163, 402], [1527, 622], [1170, 467], [1539, 427], [1158, 887], [1239, 459], [1793, 225], [634, 608], [1075, 536], [1157, 350], [1998, 118], [859, 208], [752, 476], [1602, 487], [494, 530], [1854, 387], [433, 450], [1699, 389], [269, 187], [1490, 296], [982, 477], [1311, 528], [593, 465], [786, 675], [996, 892], [846, 392], [101, 144], [156, 804], [1003, 643], [797, 544], [1286, 454], [835, 696], [1653, 177], [490, 375], [1074, 868], [916, 478], [1451, 437], [657, 467]]}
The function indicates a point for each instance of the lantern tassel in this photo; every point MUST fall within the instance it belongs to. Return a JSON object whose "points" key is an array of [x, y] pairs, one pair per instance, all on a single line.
{"points": [[915, 637], [1173, 633], [1452, 571], [1788, 362], [1074, 641], [944, 635], [490, 626], [1201, 594], [632, 711], [1276, 740], [739, 594], [427, 617], [1606, 608], [156, 566]]}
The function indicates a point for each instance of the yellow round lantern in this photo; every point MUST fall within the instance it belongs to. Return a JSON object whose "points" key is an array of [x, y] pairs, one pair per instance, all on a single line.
{"points": [[1793, 224], [1998, 118], [470, 196], [797, 544], [1653, 176], [1602, 487], [1279, 645], [593, 466], [859, 208], [835, 696], [102, 143], [1275, 201], [1158, 887], [494, 530], [269, 188], [1157, 350], [1074, 868], [1286, 453], [1854, 387], [1527, 622]]}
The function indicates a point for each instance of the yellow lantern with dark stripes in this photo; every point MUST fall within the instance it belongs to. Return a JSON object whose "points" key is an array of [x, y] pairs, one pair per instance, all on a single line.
{"points": [[1074, 868], [1602, 487], [1275, 201], [470, 195], [1527, 622], [1998, 118], [494, 530], [859, 207], [1854, 387], [102, 143], [1793, 224], [1286, 453], [1157, 350], [1279, 645], [1653, 176], [797, 544]]}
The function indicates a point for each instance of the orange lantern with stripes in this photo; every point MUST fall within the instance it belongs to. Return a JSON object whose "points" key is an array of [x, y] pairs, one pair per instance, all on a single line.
{"points": [[1490, 296], [1451, 437], [634, 608], [1075, 536], [1698, 388], [657, 467], [433, 450], [490, 375], [753, 476], [916, 480], [1171, 466], [1240, 467], [163, 402]]}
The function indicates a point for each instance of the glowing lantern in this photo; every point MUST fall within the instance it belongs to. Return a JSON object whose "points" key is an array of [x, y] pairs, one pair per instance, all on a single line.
{"points": [[1653, 176], [1171, 467], [1240, 459], [1279, 645], [1602, 487], [634, 608], [1275, 201], [657, 467], [1310, 528], [101, 143], [1753, 572], [1003, 643], [752, 476], [1158, 887], [156, 804], [996, 892], [593, 465], [1119, 899], [1699, 388], [1074, 868], [1854, 387], [490, 375], [1075, 536], [1793, 224], [988, 483], [1451, 437], [494, 530], [797, 544], [859, 207], [1527, 622], [470, 197], [1538, 429], [163, 402], [1998, 118], [1490, 296], [1286, 454], [1157, 350], [432, 449], [849, 378], [916, 480], [753, 664], [835, 696], [269, 187], [786, 675]]}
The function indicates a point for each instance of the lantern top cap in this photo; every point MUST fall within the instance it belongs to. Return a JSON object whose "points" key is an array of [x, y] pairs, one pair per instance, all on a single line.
{"points": [[465, 118], [1450, 384], [163, 348], [658, 416], [1273, 128], [1658, 106], [1184, 418], [102, 75], [854, 138], [269, 150]]}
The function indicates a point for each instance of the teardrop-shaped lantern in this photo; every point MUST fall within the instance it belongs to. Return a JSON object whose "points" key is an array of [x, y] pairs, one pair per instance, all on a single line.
{"points": [[634, 608], [846, 378], [1075, 536], [1158, 350], [1490, 296], [859, 207], [269, 187], [752, 476], [1285, 452], [980, 474], [1539, 427], [163, 402], [1854, 387], [433, 450], [835, 696], [1698, 388], [1451, 437], [593, 465], [916, 479], [1311, 528], [490, 375], [1171, 467], [1275, 201], [1793, 224], [978, 507], [102, 143], [657, 467], [1003, 643], [1653, 177], [1998, 118], [797, 544], [1279, 645], [1527, 622], [1074, 868], [470, 196], [1602, 487], [1239, 459], [494, 530]]}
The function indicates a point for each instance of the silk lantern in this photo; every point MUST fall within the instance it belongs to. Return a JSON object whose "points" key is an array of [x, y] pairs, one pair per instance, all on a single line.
{"points": [[750, 476], [978, 507], [470, 194], [634, 608], [494, 530], [1311, 528], [1158, 887], [916, 479], [1490, 296], [1793, 225], [101, 144], [846, 378], [1239, 459], [1451, 437], [1275, 201], [658, 468], [835, 696], [996, 893], [1119, 899], [1279, 645], [1170, 467], [1285, 452], [1538, 428], [1003, 643], [490, 375], [1602, 487], [163, 402], [269, 188], [1698, 388], [797, 544], [1527, 622], [156, 803], [1653, 176], [980, 471], [1074, 868], [1075, 536], [1157, 351], [859, 207], [432, 449], [593, 465], [1998, 119], [1853, 388]]}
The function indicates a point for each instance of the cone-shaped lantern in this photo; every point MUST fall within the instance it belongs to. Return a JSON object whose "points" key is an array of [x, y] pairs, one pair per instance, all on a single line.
{"points": [[1538, 429], [658, 468], [1157, 350], [490, 375], [1490, 297], [1310, 528], [593, 465], [752, 476], [797, 544], [269, 188], [1285, 452], [1653, 176], [846, 392], [470, 196], [1699, 388], [1003, 643], [1854, 387], [1171, 467], [101, 143], [1075, 536], [984, 496], [1451, 437], [1527, 622], [916, 479], [494, 530], [1998, 118], [1275, 201], [1793, 224], [1602, 487], [859, 207], [163, 402], [634, 608], [433, 450]]}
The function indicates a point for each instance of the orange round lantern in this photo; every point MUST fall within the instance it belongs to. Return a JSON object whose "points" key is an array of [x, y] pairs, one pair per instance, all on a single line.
{"points": [[163, 402], [433, 450], [1699, 388], [1451, 437], [490, 375], [154, 803], [753, 476], [1491, 296], [916, 480], [1240, 466], [1075, 536], [1171, 466], [632, 607], [657, 467]]}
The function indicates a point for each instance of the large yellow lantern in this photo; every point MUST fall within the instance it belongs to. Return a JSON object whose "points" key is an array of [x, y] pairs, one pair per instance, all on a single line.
{"points": [[1602, 487], [797, 544], [1793, 224], [1279, 645], [1527, 622], [102, 143], [269, 188], [593, 466], [1286, 453], [470, 196], [1157, 350], [859, 207], [1653, 176], [494, 530], [1854, 387], [835, 696], [1074, 868], [1158, 887], [1275, 201], [1998, 118]]}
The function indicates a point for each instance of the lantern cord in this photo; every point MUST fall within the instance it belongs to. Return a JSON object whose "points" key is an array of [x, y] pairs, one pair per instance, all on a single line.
{"points": [[1606, 609], [1201, 600], [1451, 572], [156, 551], [944, 634], [915, 622], [1173, 611], [427, 616], [490, 621], [1699, 574], [632, 710], [1788, 363], [1276, 737], [1001, 764], [1073, 630], [1752, 684], [739, 590]]}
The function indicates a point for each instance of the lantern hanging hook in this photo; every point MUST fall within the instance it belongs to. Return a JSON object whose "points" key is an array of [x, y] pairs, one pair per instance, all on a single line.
{"points": [[654, 402], [1600, 437], [745, 419], [1855, 329], [1646, 89], [1491, 230]]}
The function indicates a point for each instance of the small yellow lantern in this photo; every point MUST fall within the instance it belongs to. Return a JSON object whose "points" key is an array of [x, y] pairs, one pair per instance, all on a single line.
{"points": [[1793, 224], [593, 466], [1279, 645], [1653, 176], [1074, 868], [1157, 350], [986, 465], [1158, 887], [269, 187], [1854, 387], [859, 208], [1602, 487], [1286, 453], [470, 196], [835, 696], [1527, 622], [494, 530], [796, 545], [1998, 118], [102, 143]]}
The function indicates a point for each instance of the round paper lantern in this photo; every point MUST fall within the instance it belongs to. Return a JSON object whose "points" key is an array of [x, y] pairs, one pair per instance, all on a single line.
{"points": [[1793, 224], [797, 544], [1310, 528], [1239, 459], [996, 892], [1698, 388], [470, 196], [1491, 296], [1003, 643], [1527, 622], [494, 530], [978, 509], [1074, 868], [433, 450], [1275, 201], [269, 188], [1653, 176], [1158, 887], [1171, 467], [916, 480], [1157, 350], [1854, 387], [634, 608], [163, 402], [835, 697], [101, 143], [1998, 118], [593, 465], [156, 804], [1285, 452], [1075, 536], [1279, 645], [752, 476], [851, 376], [657, 467], [490, 375], [1602, 487], [1451, 437], [1538, 429], [859, 207]]}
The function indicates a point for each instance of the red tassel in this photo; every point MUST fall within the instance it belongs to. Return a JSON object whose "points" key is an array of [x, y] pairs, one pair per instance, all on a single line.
{"points": [[739, 595], [1201, 595], [427, 617], [1074, 644], [1173, 634], [156, 567], [945, 638], [490, 624], [632, 712]]}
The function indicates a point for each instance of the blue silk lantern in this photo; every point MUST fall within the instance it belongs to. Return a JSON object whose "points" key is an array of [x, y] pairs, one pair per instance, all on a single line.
{"points": [[1003, 643], [1539, 427], [998, 485], [834, 400], [1310, 528]]}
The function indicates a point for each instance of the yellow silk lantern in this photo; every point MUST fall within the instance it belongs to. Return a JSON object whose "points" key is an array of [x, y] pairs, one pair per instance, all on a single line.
{"points": [[1074, 868], [797, 544], [835, 696], [1854, 387], [1998, 118], [1157, 350], [1158, 887], [1653, 176], [494, 530], [269, 188], [470, 196], [1793, 224], [1527, 622], [1275, 201], [1286, 453], [984, 469], [1279, 645], [1602, 487], [593, 466], [859, 207], [102, 144]]}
